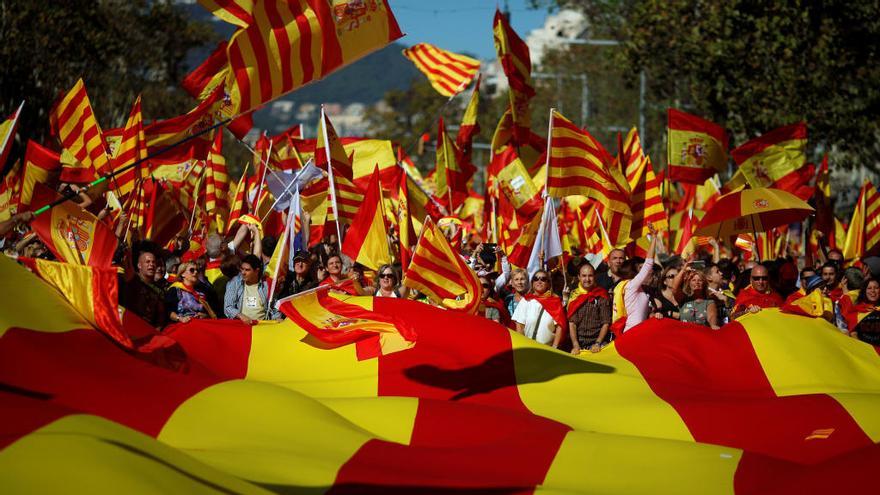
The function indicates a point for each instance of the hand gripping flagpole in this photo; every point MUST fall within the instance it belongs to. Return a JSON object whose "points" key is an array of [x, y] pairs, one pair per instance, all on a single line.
{"points": [[69, 194]]}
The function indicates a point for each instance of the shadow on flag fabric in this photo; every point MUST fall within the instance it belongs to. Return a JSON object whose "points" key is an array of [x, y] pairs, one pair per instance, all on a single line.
{"points": [[449, 73], [470, 407], [366, 241], [438, 272], [72, 234], [697, 148]]}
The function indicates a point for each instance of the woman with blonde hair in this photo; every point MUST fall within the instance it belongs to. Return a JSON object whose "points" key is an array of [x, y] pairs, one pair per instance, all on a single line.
{"points": [[182, 300], [698, 307], [540, 315]]}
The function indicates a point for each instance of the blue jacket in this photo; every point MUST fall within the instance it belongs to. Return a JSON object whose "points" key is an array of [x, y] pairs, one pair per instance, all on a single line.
{"points": [[235, 292]]}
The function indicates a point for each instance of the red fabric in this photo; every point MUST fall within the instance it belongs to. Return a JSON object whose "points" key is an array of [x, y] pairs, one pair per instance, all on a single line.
{"points": [[346, 286], [552, 305], [592, 295]]}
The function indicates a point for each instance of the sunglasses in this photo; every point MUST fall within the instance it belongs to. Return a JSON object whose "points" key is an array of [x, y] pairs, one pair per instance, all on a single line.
{"points": [[386, 275], [760, 278], [191, 270], [540, 279], [671, 275]]}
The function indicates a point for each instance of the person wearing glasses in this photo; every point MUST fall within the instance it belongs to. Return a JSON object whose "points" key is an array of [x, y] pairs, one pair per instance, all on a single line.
{"points": [[388, 286], [247, 294], [490, 307], [757, 295], [665, 302], [182, 300], [540, 315]]}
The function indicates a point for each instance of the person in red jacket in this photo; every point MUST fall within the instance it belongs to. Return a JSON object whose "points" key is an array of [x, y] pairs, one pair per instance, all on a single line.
{"points": [[757, 296]]}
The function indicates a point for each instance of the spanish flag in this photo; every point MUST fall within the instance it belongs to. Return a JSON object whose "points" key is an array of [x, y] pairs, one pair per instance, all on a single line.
{"points": [[697, 148], [73, 234], [40, 164], [7, 134], [772, 157], [366, 241], [91, 290]]}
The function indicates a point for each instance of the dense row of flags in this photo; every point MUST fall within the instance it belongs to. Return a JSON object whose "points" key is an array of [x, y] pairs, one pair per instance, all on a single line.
{"points": [[557, 196]]}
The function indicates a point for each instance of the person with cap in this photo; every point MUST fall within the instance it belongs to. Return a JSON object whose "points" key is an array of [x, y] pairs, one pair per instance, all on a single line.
{"points": [[300, 280], [871, 267], [757, 295]]}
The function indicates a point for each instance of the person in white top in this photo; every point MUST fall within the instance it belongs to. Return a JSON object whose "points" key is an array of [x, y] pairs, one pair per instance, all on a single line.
{"points": [[532, 319], [634, 297]]}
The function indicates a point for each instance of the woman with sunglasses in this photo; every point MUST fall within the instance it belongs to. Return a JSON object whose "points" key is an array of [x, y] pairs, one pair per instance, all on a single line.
{"points": [[388, 286], [540, 315], [864, 317], [698, 307], [665, 302], [182, 299]]}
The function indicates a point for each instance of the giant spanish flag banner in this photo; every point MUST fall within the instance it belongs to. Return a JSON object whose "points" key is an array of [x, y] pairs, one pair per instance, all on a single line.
{"points": [[470, 407]]}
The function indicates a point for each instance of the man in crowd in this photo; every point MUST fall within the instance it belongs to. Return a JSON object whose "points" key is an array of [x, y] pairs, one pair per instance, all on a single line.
{"points": [[139, 294], [615, 260], [758, 295], [301, 279]]}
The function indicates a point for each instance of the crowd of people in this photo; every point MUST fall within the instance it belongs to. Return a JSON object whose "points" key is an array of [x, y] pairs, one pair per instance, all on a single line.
{"points": [[580, 305]]}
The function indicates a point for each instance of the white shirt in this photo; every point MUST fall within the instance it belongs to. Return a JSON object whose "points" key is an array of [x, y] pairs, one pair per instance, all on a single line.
{"points": [[527, 312], [635, 299]]}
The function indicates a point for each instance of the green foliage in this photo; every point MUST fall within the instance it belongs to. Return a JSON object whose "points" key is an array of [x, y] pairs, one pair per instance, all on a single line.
{"points": [[121, 48], [754, 66]]}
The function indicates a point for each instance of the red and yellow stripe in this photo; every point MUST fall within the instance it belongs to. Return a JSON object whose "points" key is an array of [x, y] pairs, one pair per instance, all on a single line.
{"points": [[449, 73], [75, 124]]}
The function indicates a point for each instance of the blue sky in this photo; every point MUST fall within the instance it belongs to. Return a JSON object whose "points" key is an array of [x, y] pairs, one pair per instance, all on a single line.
{"points": [[460, 25]]}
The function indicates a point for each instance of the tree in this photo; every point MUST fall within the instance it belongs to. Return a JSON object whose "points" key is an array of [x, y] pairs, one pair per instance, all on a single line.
{"points": [[121, 48], [755, 66]]}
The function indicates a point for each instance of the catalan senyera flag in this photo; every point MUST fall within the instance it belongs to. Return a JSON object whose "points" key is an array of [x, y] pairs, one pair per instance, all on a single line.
{"points": [[40, 163], [217, 185], [471, 404], [366, 241], [289, 44], [773, 156], [7, 134], [580, 166], [631, 156], [132, 148], [73, 234], [441, 274], [863, 233], [697, 148], [237, 200], [449, 73], [646, 201], [450, 175], [74, 122], [513, 54]]}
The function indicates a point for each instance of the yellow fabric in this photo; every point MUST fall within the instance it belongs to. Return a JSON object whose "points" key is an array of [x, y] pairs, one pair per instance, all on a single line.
{"points": [[682, 144], [774, 162]]}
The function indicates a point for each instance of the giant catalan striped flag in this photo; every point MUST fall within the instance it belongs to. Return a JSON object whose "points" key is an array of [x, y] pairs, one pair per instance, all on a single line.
{"points": [[580, 166], [439, 272], [76, 126], [786, 404], [281, 45], [449, 73]]}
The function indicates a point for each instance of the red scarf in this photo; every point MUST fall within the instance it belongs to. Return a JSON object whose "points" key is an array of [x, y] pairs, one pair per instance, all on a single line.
{"points": [[502, 310], [750, 296], [581, 296], [552, 305]]}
